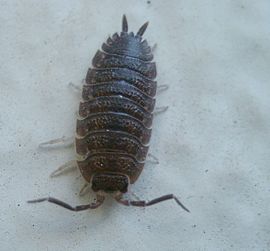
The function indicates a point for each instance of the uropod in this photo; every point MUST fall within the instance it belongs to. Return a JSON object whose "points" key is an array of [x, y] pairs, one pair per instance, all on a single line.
{"points": [[115, 118]]}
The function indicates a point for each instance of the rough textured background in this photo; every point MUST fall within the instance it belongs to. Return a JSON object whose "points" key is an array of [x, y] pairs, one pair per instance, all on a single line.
{"points": [[212, 143]]}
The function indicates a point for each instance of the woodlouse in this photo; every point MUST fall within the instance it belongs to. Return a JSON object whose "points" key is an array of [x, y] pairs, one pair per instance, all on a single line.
{"points": [[115, 118]]}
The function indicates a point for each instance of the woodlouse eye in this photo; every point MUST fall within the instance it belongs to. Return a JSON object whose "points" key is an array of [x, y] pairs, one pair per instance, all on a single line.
{"points": [[101, 164]]}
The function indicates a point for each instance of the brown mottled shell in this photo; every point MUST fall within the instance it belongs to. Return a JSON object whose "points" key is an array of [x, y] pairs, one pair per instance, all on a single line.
{"points": [[114, 128]]}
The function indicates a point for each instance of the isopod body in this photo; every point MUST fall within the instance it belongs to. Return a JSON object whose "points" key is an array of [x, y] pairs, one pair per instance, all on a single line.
{"points": [[115, 118], [114, 128]]}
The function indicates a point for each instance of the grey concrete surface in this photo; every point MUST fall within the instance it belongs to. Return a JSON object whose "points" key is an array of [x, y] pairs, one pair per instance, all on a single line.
{"points": [[212, 144]]}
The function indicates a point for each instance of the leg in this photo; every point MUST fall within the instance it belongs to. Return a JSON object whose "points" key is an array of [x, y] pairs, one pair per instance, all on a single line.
{"points": [[135, 196], [58, 143], [84, 189], [67, 167], [152, 159], [78, 115], [60, 203], [64, 141], [154, 48], [160, 109], [162, 88], [76, 88], [142, 203]]}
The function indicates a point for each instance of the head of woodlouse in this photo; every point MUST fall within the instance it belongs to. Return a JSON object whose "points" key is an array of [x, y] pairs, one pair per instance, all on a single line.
{"points": [[110, 183]]}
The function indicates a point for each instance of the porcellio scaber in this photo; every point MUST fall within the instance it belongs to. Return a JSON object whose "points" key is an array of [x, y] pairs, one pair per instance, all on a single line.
{"points": [[115, 119]]}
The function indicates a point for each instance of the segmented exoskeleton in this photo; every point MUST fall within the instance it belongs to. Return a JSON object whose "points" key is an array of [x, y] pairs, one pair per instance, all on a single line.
{"points": [[115, 118]]}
